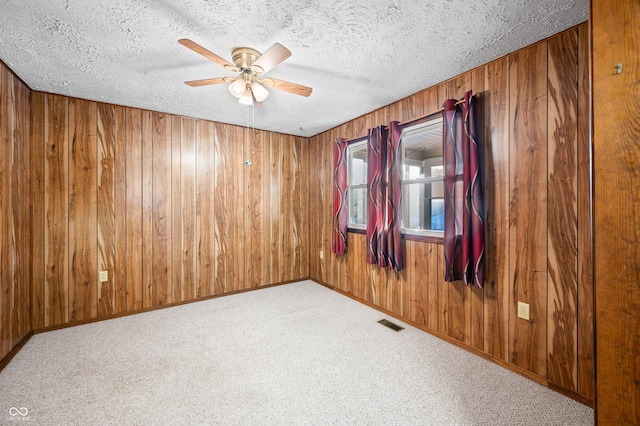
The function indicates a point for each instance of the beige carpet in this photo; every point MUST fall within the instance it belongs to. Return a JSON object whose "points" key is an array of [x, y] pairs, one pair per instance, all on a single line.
{"points": [[293, 354]]}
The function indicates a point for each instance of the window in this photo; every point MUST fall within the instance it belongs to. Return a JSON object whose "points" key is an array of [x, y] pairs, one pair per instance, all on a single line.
{"points": [[422, 179], [357, 184]]}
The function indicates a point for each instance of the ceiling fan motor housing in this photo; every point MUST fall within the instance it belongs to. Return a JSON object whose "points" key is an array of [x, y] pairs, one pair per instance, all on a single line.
{"points": [[244, 57]]}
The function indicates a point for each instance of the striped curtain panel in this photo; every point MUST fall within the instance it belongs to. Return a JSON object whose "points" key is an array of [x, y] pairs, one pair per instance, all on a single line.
{"points": [[340, 207], [393, 198], [463, 203], [384, 192], [376, 153]]}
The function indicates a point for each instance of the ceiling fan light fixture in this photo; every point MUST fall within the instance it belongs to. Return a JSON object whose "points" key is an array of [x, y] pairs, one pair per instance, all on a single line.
{"points": [[238, 88], [259, 92], [246, 98], [246, 86]]}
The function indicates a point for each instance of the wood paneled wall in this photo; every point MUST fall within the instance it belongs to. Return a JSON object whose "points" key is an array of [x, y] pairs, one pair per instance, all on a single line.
{"points": [[161, 202], [616, 159], [164, 204], [533, 111], [15, 211]]}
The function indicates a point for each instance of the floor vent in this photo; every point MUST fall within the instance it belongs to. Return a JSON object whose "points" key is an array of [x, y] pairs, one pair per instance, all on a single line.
{"points": [[387, 323]]}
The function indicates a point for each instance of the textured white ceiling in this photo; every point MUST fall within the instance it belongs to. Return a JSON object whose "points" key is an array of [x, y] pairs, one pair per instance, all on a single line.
{"points": [[357, 55]]}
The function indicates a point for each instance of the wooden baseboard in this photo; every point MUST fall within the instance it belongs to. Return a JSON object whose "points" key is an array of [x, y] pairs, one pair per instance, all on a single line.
{"points": [[519, 370], [5, 361], [540, 380], [155, 308]]}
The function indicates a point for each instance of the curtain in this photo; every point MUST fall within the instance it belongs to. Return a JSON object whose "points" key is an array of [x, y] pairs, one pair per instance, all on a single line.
{"points": [[463, 203], [384, 191], [376, 153], [340, 207]]}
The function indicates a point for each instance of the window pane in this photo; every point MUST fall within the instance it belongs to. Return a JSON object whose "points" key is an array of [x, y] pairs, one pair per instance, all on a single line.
{"points": [[423, 204], [357, 176], [437, 214], [421, 209], [357, 163], [357, 206], [437, 190]]}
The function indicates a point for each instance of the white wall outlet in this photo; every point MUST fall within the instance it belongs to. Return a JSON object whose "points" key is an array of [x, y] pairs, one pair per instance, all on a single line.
{"points": [[321, 254], [104, 276], [523, 310]]}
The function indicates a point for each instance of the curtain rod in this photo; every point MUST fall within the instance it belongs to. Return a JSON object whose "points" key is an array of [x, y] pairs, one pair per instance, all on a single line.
{"points": [[421, 117]]}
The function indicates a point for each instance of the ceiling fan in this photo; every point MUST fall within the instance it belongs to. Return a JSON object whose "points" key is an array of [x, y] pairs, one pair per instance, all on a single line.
{"points": [[248, 86]]}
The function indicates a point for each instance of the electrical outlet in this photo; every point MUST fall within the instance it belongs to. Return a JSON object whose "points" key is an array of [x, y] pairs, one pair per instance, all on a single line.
{"points": [[321, 254], [523, 310], [104, 276]]}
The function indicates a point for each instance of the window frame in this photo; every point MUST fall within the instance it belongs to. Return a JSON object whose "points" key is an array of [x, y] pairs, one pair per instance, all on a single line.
{"points": [[352, 145], [419, 234], [407, 234]]}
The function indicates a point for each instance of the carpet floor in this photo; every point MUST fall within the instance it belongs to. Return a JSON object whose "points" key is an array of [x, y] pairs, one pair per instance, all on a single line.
{"points": [[293, 354]]}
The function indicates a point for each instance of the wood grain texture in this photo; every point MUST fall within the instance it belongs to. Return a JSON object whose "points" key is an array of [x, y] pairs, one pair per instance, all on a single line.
{"points": [[205, 222], [395, 291], [515, 136], [562, 210], [6, 103], [286, 209], [221, 210], [56, 203], [147, 209], [404, 293], [188, 170], [586, 338], [496, 203], [528, 206], [441, 93], [616, 156], [301, 172], [355, 274], [476, 297], [325, 207], [161, 293], [256, 210], [237, 242], [120, 210], [176, 245], [442, 297], [22, 211], [162, 203], [459, 296], [83, 271], [300, 189], [339, 264], [315, 202], [134, 202], [37, 141], [435, 276], [300, 208], [243, 217], [106, 124], [14, 213], [276, 233], [421, 277], [6, 225]]}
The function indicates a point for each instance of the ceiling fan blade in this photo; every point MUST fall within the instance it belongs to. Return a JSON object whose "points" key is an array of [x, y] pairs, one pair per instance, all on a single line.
{"points": [[269, 59], [287, 86], [207, 54], [206, 81]]}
